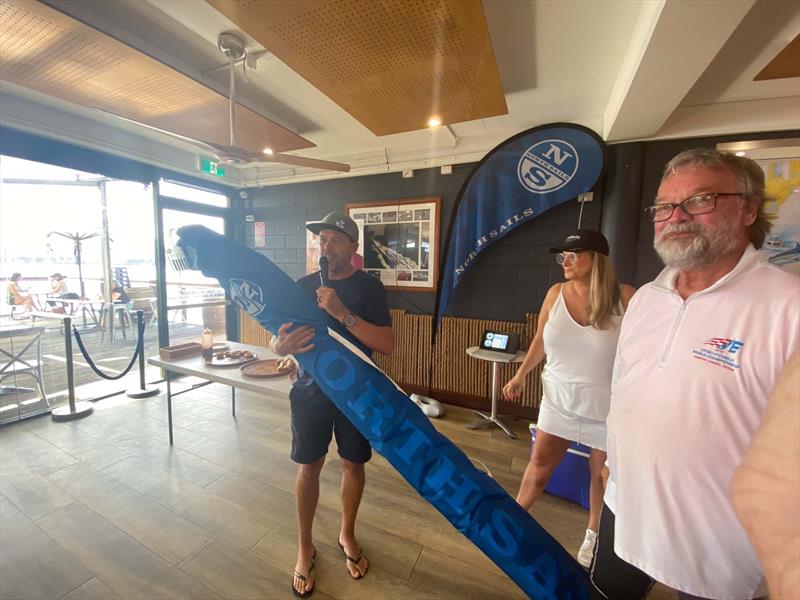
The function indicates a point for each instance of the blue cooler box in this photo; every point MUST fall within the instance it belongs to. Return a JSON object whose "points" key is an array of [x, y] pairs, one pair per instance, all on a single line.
{"points": [[570, 478]]}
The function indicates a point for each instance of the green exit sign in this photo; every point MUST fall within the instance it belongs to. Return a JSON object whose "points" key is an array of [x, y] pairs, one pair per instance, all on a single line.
{"points": [[212, 167]]}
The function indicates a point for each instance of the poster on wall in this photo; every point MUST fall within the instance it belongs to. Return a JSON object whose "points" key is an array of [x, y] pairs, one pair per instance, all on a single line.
{"points": [[399, 241], [312, 251], [780, 161], [782, 245]]}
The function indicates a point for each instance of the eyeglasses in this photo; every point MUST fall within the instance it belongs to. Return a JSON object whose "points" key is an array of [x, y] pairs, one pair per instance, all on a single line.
{"points": [[694, 205], [567, 257]]}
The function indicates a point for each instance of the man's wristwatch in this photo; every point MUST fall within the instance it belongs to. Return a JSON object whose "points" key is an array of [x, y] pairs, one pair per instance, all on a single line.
{"points": [[349, 320]]}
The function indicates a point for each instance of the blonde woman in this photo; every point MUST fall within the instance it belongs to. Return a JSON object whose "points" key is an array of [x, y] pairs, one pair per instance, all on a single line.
{"points": [[15, 295], [577, 331]]}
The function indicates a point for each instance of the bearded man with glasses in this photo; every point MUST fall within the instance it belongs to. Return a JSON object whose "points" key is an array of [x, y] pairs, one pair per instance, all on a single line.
{"points": [[699, 352]]}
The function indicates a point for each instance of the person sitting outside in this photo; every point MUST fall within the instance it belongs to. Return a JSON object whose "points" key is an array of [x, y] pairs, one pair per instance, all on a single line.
{"points": [[118, 294], [15, 294], [59, 289]]}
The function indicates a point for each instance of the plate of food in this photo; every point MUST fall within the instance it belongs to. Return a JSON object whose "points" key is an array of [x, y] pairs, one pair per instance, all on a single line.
{"points": [[230, 358], [269, 367]]}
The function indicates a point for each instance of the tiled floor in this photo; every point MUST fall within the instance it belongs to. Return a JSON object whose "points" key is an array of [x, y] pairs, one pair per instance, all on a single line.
{"points": [[104, 508]]}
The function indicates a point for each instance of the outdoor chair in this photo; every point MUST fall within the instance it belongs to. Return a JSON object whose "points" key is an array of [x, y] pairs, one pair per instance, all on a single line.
{"points": [[120, 316], [18, 312], [22, 356]]}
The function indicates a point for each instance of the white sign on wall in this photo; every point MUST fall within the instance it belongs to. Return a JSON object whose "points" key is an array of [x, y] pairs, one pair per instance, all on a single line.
{"points": [[259, 232]]}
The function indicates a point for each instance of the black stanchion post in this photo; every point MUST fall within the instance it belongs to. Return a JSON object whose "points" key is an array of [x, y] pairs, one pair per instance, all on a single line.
{"points": [[142, 391], [74, 410]]}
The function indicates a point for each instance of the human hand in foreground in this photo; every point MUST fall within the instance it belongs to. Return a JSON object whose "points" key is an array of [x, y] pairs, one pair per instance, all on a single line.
{"points": [[766, 487], [513, 389], [329, 301], [296, 341]]}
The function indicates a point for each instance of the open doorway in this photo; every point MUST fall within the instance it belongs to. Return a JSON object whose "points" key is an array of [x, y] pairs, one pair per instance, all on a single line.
{"points": [[63, 233]]}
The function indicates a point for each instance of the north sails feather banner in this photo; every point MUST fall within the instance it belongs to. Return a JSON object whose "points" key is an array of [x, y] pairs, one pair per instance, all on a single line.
{"points": [[395, 427], [517, 181]]}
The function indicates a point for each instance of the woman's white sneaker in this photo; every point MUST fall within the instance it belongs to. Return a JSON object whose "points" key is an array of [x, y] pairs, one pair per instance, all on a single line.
{"points": [[586, 552]]}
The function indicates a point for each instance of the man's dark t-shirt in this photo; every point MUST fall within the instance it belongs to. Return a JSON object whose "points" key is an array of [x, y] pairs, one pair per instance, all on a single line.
{"points": [[363, 294]]}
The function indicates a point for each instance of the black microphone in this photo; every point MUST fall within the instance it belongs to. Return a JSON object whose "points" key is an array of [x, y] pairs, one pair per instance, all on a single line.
{"points": [[323, 270]]}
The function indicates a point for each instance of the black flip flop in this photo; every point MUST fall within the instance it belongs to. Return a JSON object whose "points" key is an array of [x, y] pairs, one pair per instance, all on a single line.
{"points": [[304, 578], [355, 561]]}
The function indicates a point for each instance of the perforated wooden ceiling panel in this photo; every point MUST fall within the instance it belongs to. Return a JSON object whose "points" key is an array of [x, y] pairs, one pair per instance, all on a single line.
{"points": [[47, 51], [391, 64]]}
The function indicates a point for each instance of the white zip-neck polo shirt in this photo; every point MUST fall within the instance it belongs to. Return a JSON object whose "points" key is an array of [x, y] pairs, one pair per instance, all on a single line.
{"points": [[691, 382]]}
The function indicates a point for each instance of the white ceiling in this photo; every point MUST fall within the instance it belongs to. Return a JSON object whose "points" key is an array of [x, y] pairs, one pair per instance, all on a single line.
{"points": [[628, 69]]}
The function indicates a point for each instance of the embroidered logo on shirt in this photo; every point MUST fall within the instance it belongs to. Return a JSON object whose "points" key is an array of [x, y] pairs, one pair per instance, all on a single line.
{"points": [[722, 353], [730, 345]]}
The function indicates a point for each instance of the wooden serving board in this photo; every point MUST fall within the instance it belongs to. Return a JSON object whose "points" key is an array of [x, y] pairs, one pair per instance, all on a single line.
{"points": [[267, 367], [228, 361], [180, 351]]}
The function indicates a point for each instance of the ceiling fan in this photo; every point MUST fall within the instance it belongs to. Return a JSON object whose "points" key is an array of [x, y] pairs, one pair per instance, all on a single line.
{"points": [[232, 46]]}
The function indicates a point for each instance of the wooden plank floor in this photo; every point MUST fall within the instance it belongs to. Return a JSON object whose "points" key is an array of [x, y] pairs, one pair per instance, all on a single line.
{"points": [[111, 357], [105, 508]]}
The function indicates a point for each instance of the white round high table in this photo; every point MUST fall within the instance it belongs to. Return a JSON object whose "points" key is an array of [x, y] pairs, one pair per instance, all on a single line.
{"points": [[496, 358]]}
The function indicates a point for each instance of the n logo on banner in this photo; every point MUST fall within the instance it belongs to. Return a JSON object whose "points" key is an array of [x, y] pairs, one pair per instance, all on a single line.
{"points": [[520, 179]]}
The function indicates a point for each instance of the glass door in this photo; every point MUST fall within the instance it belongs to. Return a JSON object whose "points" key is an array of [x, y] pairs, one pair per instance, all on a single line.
{"points": [[189, 301]]}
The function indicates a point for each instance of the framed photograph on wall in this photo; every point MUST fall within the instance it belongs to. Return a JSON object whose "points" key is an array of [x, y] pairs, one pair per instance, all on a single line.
{"points": [[780, 160], [400, 241]]}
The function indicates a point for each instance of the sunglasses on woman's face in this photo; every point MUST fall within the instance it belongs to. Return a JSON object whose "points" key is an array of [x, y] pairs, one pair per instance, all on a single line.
{"points": [[567, 257]]}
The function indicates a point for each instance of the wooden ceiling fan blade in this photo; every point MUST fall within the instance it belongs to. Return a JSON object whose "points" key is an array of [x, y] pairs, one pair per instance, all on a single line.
{"points": [[244, 158], [301, 161], [208, 146]]}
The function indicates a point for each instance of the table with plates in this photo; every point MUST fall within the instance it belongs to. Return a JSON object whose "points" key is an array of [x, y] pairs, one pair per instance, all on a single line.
{"points": [[195, 366]]}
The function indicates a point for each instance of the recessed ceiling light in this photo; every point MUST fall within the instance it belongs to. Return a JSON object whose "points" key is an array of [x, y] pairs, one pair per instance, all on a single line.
{"points": [[741, 153], [267, 151], [434, 122]]}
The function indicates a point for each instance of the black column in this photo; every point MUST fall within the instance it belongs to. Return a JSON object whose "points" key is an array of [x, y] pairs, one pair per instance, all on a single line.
{"points": [[622, 201]]}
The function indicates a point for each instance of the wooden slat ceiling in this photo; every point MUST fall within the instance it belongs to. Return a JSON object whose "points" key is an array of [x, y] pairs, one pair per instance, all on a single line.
{"points": [[391, 64], [785, 64], [47, 51]]}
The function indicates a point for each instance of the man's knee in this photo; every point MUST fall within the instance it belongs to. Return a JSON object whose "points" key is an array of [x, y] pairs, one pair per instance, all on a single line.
{"points": [[352, 468], [310, 470]]}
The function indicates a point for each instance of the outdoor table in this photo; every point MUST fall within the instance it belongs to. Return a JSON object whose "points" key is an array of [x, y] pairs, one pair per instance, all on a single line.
{"points": [[84, 305]]}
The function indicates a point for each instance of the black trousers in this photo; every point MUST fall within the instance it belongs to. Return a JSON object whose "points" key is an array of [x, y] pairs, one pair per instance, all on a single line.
{"points": [[612, 578]]}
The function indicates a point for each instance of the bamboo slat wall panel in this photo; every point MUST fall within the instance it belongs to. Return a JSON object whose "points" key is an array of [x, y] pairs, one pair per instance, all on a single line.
{"points": [[394, 365], [410, 362], [453, 371], [251, 331]]}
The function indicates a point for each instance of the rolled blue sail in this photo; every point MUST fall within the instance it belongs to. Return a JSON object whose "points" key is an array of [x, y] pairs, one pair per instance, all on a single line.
{"points": [[395, 427]]}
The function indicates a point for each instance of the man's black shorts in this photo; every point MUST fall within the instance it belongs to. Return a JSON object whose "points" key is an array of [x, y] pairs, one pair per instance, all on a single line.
{"points": [[314, 419]]}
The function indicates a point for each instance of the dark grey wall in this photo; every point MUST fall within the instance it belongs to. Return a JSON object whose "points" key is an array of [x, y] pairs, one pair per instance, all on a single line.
{"points": [[513, 275], [510, 279]]}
